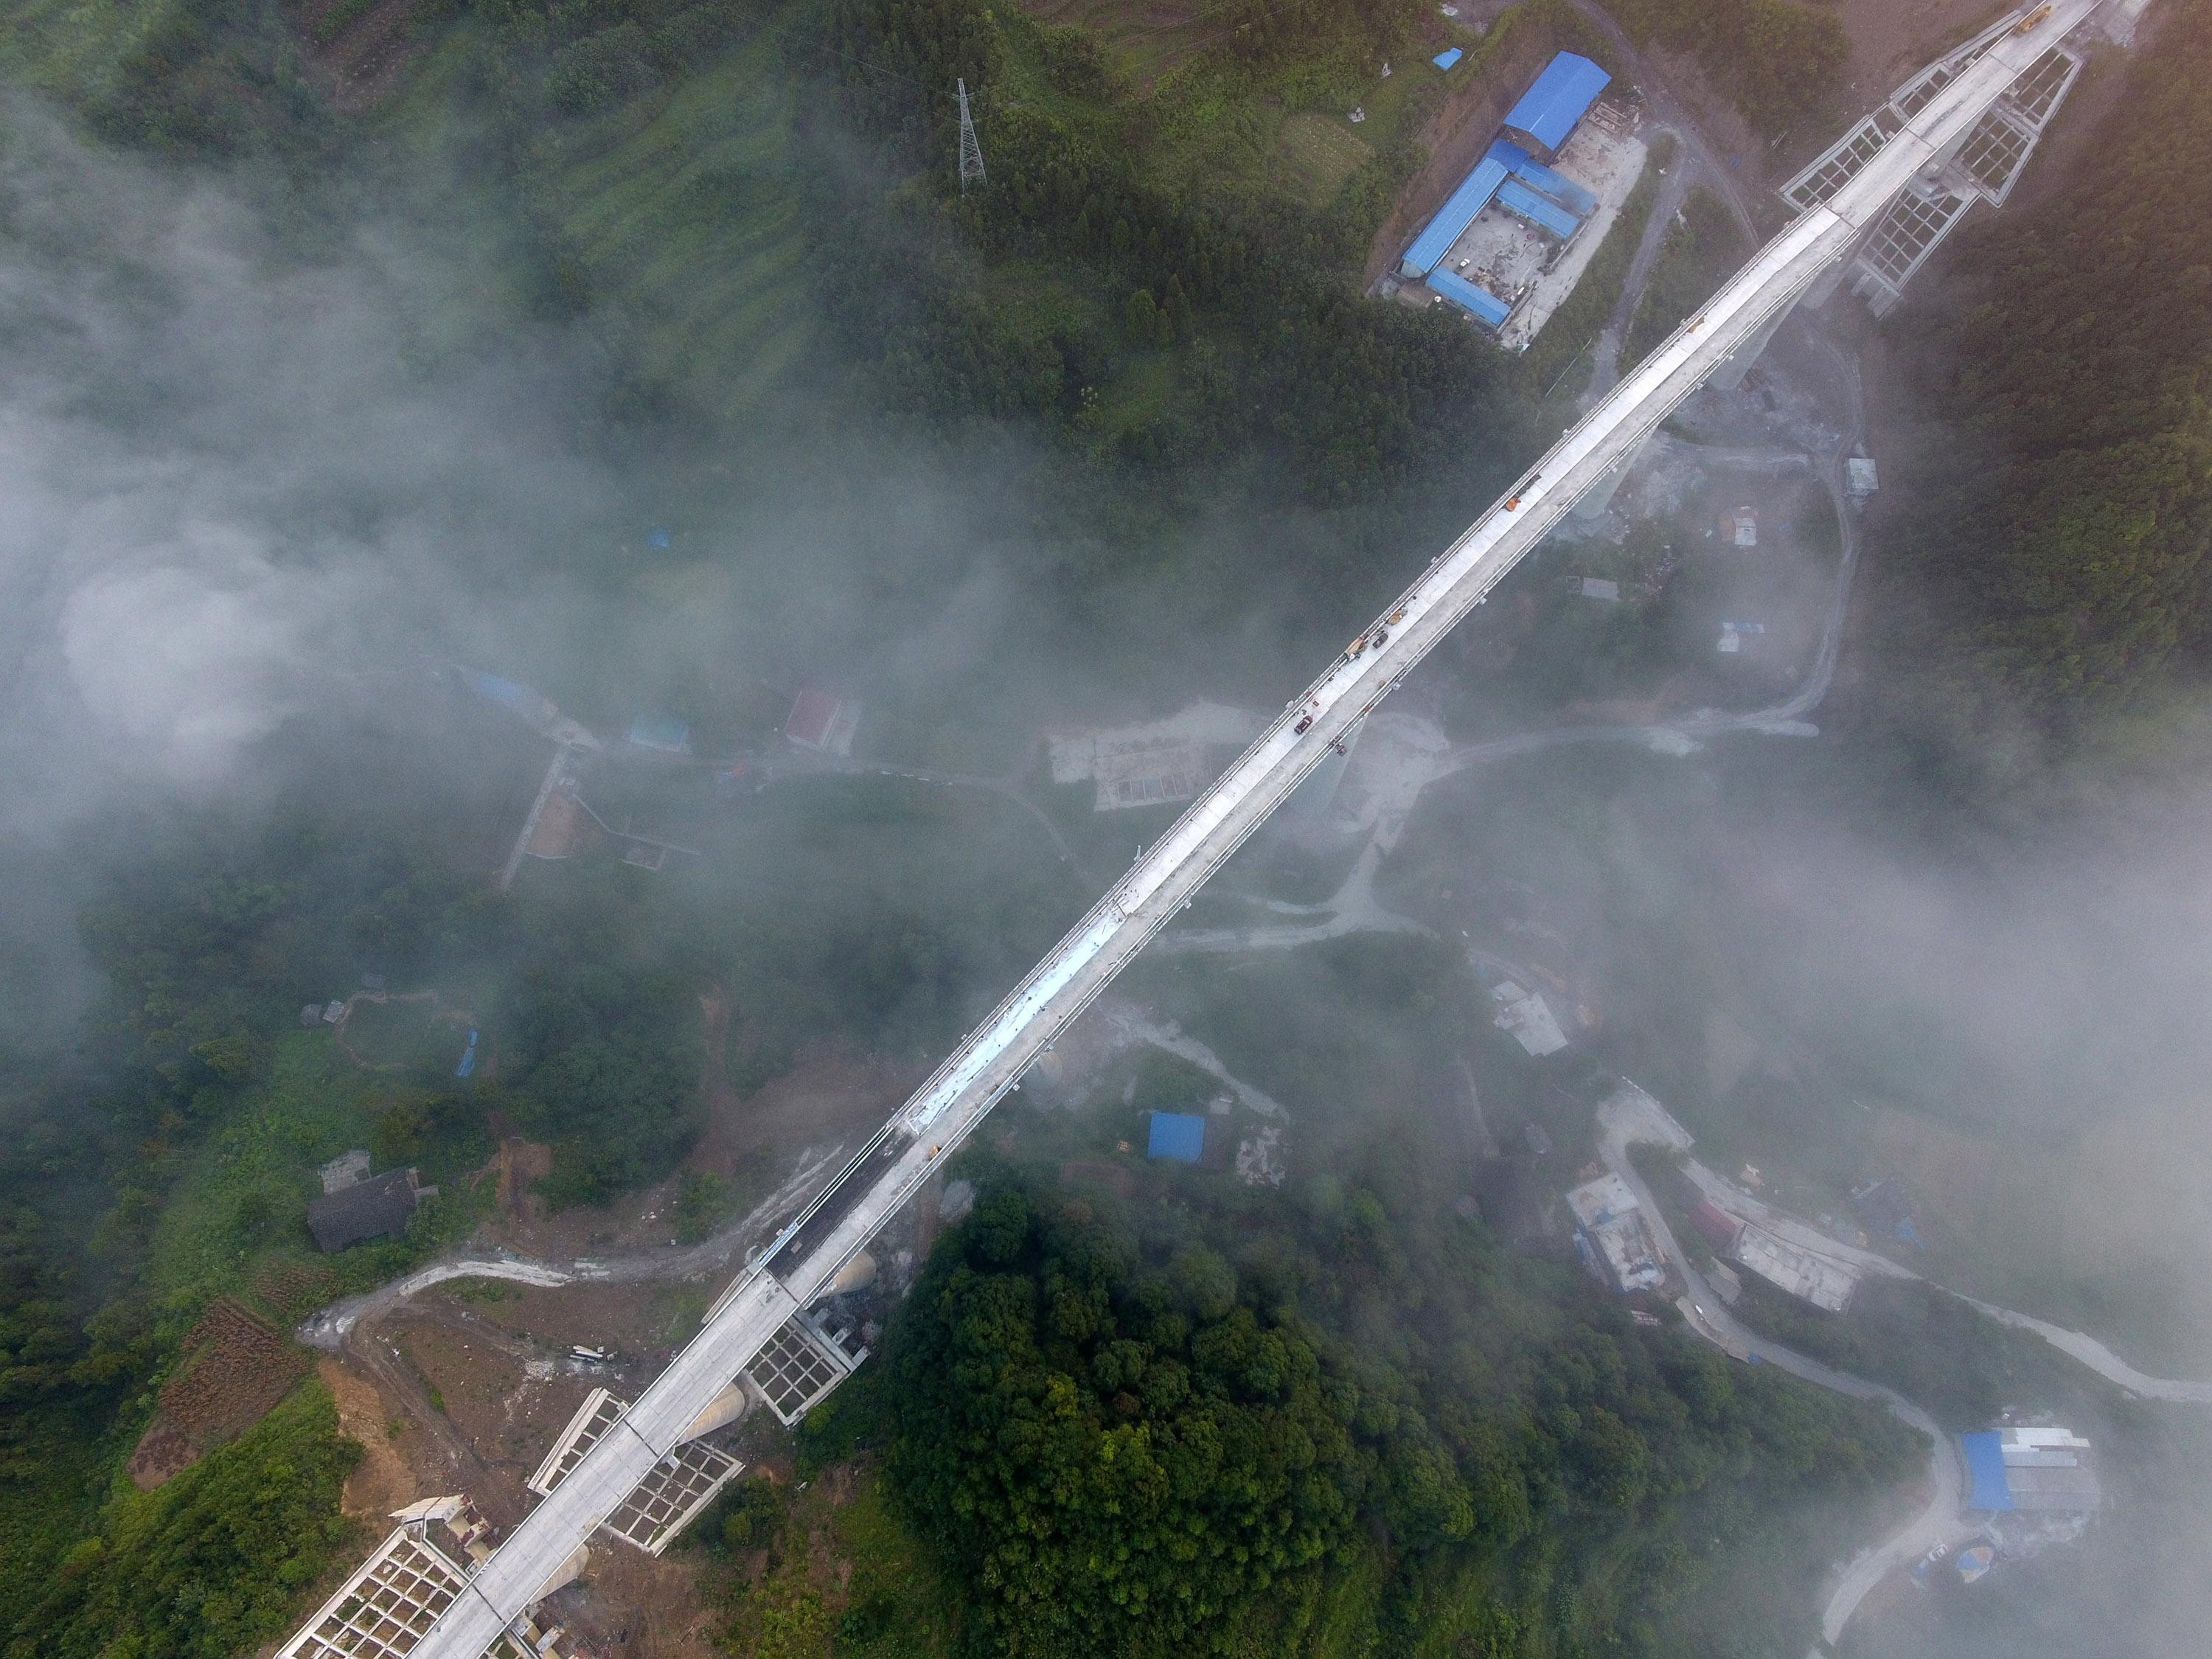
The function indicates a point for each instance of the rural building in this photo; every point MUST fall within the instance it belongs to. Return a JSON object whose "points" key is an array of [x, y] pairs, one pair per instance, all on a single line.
{"points": [[1819, 1280], [1513, 216], [532, 707], [1528, 1018], [1612, 1239], [1594, 588], [2034, 1469], [346, 1170], [380, 1207], [1177, 1136], [1554, 105], [823, 723]]}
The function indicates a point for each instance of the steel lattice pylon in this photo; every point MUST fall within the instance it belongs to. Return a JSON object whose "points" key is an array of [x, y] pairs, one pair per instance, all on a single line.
{"points": [[971, 153]]}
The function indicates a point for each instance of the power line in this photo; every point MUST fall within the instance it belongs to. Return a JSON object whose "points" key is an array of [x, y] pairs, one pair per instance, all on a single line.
{"points": [[971, 152]]}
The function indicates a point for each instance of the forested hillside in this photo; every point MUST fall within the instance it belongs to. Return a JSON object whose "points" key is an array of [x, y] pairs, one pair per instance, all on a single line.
{"points": [[2051, 563], [1185, 1425]]}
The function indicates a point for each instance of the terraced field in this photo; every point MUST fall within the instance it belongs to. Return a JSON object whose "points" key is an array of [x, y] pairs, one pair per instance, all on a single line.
{"points": [[686, 217]]}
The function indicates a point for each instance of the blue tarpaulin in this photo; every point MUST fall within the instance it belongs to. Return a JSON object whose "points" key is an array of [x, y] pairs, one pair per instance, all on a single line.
{"points": [[499, 690], [659, 732], [1444, 60], [1517, 197], [468, 1058], [1558, 98], [1985, 1467], [1480, 303], [1456, 214], [1177, 1136]]}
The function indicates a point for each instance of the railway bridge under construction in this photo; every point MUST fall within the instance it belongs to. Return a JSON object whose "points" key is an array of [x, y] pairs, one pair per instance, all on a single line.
{"points": [[439, 1589]]}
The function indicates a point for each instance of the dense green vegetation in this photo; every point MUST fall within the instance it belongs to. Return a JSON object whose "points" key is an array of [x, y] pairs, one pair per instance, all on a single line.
{"points": [[2055, 556], [1155, 1426], [212, 1563], [183, 1171], [1779, 60], [1703, 245]]}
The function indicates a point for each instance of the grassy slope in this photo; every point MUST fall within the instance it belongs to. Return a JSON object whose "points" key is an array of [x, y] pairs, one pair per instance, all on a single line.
{"points": [[686, 219], [74, 47]]}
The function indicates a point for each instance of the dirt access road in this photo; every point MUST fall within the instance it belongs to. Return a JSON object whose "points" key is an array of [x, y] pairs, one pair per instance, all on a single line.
{"points": [[1630, 1116]]}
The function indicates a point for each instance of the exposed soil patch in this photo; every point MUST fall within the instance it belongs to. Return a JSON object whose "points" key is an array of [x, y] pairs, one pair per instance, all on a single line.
{"points": [[1890, 39], [383, 1480], [356, 52], [826, 1096], [630, 1604], [519, 1164], [235, 1365]]}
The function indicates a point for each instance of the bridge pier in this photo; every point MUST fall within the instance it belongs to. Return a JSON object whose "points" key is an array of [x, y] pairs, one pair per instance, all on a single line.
{"points": [[1728, 374], [1599, 496]]}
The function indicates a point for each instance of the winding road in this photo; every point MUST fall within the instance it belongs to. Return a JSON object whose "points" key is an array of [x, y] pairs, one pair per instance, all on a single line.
{"points": [[1630, 1116]]}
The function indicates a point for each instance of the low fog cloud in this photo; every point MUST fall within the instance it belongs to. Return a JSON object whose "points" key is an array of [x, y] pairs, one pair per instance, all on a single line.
{"points": [[225, 466]]}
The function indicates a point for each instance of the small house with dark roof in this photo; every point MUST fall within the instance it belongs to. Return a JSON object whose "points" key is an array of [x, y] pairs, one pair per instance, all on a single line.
{"points": [[380, 1207]]}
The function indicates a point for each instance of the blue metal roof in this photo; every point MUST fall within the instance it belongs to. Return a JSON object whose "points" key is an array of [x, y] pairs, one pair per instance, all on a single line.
{"points": [[1484, 305], [1985, 1467], [1456, 214], [1537, 211], [1559, 97], [1177, 1136], [1564, 191]]}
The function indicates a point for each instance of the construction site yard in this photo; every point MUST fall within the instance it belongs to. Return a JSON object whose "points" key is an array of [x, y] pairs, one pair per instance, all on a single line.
{"points": [[1529, 269]]}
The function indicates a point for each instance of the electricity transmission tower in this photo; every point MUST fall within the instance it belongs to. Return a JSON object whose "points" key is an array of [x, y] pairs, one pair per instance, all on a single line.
{"points": [[971, 153]]}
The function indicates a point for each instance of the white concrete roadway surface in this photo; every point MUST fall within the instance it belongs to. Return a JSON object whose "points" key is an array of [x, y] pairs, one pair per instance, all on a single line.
{"points": [[2098, 1357], [992, 1059]]}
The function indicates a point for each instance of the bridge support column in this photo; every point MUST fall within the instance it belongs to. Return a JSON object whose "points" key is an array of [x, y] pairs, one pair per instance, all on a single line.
{"points": [[1728, 374], [1599, 496], [1826, 284]]}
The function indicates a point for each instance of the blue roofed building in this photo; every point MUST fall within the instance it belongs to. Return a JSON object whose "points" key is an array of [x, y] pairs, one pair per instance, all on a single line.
{"points": [[1478, 303], [1561, 189], [2040, 1470], [1985, 1472], [1177, 1135], [1548, 112], [1518, 200], [1484, 262], [1456, 214]]}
